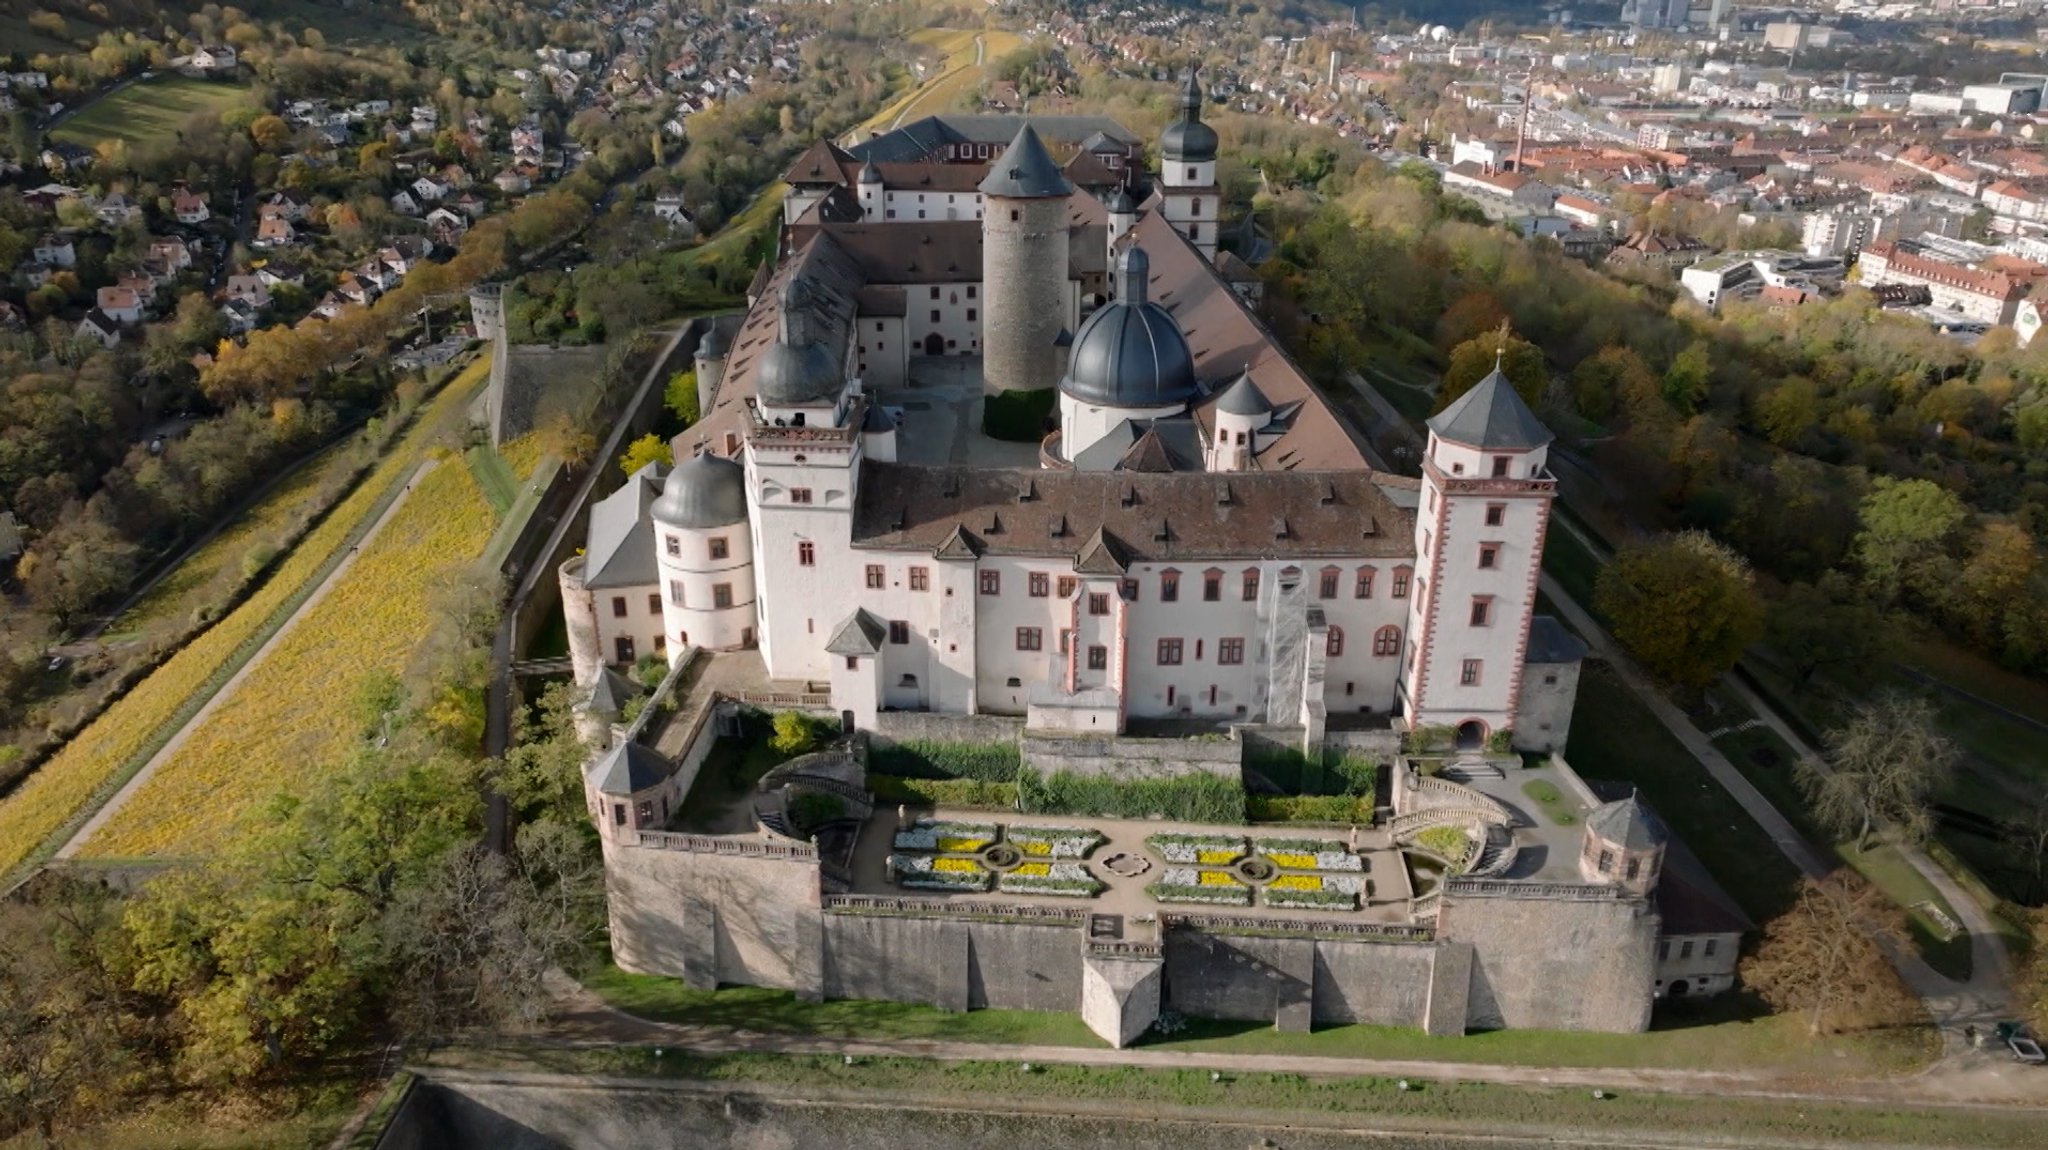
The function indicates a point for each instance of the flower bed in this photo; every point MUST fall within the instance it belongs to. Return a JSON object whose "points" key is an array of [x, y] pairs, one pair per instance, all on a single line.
{"points": [[1449, 844], [1309, 854], [1066, 879], [1311, 899], [1167, 889], [1054, 842], [944, 837], [923, 872], [1210, 850], [1314, 891]]}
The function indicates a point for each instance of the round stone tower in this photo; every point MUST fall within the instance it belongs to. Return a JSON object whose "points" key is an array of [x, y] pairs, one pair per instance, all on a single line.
{"points": [[710, 365], [1024, 268], [579, 612], [705, 555], [487, 310]]}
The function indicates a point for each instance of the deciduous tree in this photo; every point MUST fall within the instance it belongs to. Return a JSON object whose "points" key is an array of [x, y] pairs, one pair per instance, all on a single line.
{"points": [[1883, 768], [1473, 360], [649, 448], [1908, 537], [1684, 604], [1820, 958]]}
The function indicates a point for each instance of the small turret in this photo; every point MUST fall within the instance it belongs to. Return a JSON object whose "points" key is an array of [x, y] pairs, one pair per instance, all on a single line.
{"points": [[871, 192]]}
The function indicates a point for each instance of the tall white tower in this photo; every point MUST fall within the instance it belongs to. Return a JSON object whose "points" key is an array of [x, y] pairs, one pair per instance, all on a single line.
{"points": [[871, 192], [705, 555], [1187, 172], [1486, 496], [1024, 268]]}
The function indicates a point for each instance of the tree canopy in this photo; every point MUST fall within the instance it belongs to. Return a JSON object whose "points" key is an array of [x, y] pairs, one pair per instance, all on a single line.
{"points": [[1685, 605]]}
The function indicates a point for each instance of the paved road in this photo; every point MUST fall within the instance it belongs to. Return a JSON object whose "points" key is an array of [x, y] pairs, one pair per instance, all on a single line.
{"points": [[121, 797]]}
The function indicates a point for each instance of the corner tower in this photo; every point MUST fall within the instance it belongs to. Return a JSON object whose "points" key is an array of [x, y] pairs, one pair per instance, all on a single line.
{"points": [[1187, 172], [1486, 493], [1024, 268]]}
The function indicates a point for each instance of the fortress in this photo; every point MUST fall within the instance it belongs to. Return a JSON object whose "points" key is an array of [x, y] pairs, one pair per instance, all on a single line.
{"points": [[1194, 544]]}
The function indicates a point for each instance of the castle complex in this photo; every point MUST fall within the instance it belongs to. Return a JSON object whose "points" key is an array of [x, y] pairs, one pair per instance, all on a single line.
{"points": [[1195, 541]]}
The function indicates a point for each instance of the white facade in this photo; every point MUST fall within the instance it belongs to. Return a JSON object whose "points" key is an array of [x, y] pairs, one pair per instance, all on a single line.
{"points": [[1190, 201], [707, 580]]}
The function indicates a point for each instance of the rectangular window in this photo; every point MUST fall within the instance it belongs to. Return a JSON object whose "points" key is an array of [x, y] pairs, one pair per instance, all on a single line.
{"points": [[645, 809], [1400, 590], [675, 592], [1030, 639], [1098, 603], [1131, 590], [799, 495], [1169, 652], [991, 582], [1482, 610], [1230, 652], [935, 315], [1212, 586], [1664, 951], [899, 631], [1015, 215], [618, 606], [654, 603], [1363, 588], [970, 291], [1468, 675], [1066, 586], [1500, 466], [1098, 658], [853, 662], [1169, 587], [1326, 587], [720, 549], [1496, 514], [1425, 543], [920, 579], [623, 648], [1708, 950], [878, 577], [1685, 949], [673, 545], [807, 554], [935, 290], [1251, 584], [972, 315], [721, 595], [619, 814], [1489, 555], [1038, 585]]}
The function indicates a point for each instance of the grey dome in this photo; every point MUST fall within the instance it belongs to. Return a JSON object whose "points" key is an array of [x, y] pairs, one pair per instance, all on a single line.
{"points": [[791, 374], [704, 490], [714, 344], [1243, 398], [1188, 139], [1131, 353]]}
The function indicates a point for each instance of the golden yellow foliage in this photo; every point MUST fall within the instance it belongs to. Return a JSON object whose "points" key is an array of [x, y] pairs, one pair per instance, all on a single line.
{"points": [[290, 715]]}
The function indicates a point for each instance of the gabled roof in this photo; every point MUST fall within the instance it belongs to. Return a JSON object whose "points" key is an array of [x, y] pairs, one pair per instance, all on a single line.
{"points": [[958, 545], [861, 634], [817, 164], [1490, 415], [620, 548], [1026, 171], [1103, 554], [630, 768]]}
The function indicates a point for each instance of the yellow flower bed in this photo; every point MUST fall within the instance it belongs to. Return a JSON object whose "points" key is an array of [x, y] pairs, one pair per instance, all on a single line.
{"points": [[1033, 870], [1212, 858], [1292, 861], [62, 785], [291, 713], [956, 866], [961, 846], [1295, 882], [1219, 878], [1042, 850]]}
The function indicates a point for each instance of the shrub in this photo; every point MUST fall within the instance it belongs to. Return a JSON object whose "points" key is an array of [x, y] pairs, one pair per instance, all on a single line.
{"points": [[975, 794], [795, 733], [1017, 416], [1447, 843], [1346, 809], [811, 810], [1195, 798], [989, 762], [1432, 738]]}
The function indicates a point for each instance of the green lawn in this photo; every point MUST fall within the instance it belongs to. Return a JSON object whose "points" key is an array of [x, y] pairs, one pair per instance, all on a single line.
{"points": [[150, 110], [1141, 1094], [1555, 806], [494, 477], [1568, 560]]}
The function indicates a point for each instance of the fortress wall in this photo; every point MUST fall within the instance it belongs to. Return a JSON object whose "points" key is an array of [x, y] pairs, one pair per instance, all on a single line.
{"points": [[1556, 964], [1379, 746], [952, 963], [707, 917], [1382, 983], [931, 727], [1325, 980], [1132, 758]]}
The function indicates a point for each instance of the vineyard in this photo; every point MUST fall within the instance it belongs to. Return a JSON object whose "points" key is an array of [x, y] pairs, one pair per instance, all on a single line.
{"points": [[95, 762], [290, 715]]}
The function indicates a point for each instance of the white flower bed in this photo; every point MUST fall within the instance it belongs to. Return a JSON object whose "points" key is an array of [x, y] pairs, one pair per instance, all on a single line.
{"points": [[922, 872], [1191, 848], [1069, 880], [1054, 842], [1344, 883], [928, 834], [1339, 860]]}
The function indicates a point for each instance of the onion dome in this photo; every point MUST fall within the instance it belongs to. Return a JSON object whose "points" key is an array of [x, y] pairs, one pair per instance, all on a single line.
{"points": [[869, 173], [794, 370], [1131, 353], [1188, 139], [702, 491]]}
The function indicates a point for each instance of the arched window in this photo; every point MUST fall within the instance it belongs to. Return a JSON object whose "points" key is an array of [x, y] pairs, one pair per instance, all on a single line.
{"points": [[1334, 645], [1386, 641]]}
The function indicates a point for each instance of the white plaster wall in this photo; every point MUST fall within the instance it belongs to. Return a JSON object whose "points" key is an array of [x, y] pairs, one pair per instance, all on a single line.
{"points": [[997, 618], [882, 352], [958, 307], [696, 576], [642, 621], [801, 605], [1083, 424], [910, 205]]}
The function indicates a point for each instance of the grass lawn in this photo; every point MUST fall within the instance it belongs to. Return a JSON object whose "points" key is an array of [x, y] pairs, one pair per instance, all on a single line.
{"points": [[1143, 1094], [1570, 562], [493, 477], [1555, 806], [149, 110]]}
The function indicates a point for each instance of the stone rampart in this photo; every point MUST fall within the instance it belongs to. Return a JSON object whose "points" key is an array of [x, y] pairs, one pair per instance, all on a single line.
{"points": [[1379, 746], [928, 727], [1568, 958], [1128, 758], [709, 916], [1313, 980], [953, 962]]}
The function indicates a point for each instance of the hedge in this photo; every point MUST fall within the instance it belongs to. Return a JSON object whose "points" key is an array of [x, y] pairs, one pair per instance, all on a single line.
{"points": [[1197, 798], [917, 759], [1018, 415], [977, 794], [1297, 774], [1346, 809]]}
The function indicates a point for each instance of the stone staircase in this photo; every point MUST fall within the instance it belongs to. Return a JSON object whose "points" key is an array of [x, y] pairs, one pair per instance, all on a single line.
{"points": [[1471, 767]]}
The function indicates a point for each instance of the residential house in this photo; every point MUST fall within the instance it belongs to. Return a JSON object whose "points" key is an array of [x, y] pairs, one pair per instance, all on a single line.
{"points": [[670, 210], [248, 289], [2012, 201], [403, 203], [1985, 296], [56, 251], [429, 190], [241, 316], [121, 305], [279, 273], [445, 226], [190, 208], [213, 58], [62, 156], [287, 205], [117, 209], [174, 253], [275, 231], [98, 326], [471, 205], [511, 182]]}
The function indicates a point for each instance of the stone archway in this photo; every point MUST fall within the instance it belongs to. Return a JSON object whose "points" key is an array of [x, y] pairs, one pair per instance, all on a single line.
{"points": [[935, 344], [1471, 735], [1677, 989]]}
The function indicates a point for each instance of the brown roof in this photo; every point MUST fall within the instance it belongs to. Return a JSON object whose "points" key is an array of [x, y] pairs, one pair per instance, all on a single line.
{"points": [[1145, 517], [916, 252]]}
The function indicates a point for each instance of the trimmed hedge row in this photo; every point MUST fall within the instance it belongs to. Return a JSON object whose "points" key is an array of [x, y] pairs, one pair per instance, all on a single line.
{"points": [[1342, 809], [918, 759], [1297, 774], [1195, 798], [976, 794]]}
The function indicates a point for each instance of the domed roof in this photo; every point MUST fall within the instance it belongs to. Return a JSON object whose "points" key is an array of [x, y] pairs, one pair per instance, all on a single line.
{"points": [[714, 344], [1131, 353], [704, 490], [1628, 824], [1121, 203], [795, 370], [1188, 139]]}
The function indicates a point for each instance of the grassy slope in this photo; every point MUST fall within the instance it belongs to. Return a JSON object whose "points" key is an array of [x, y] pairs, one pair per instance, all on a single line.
{"points": [[149, 109]]}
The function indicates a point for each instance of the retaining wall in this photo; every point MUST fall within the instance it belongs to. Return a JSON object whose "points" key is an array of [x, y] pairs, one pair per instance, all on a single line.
{"points": [[953, 963], [927, 727], [1132, 758], [1564, 963], [1315, 980]]}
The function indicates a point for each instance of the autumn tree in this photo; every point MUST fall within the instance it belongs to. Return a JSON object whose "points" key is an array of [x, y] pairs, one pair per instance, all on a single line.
{"points": [[1826, 625], [649, 448], [681, 397], [271, 133], [1684, 604], [1822, 958], [1909, 533], [1883, 768], [1475, 359]]}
